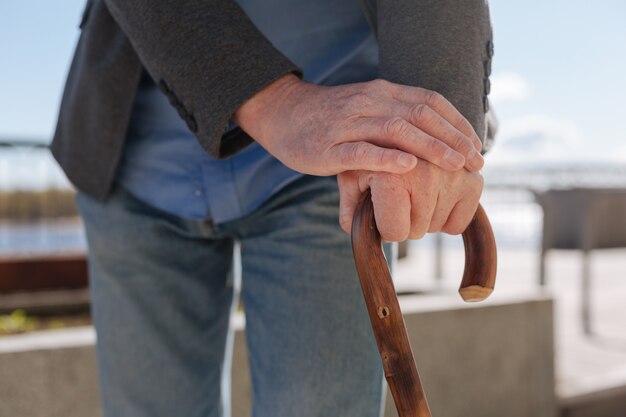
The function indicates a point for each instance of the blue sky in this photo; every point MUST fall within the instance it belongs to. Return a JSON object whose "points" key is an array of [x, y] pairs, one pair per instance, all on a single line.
{"points": [[36, 42], [559, 80]]}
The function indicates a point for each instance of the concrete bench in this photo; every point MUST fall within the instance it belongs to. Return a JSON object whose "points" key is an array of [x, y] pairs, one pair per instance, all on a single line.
{"points": [[583, 219]]}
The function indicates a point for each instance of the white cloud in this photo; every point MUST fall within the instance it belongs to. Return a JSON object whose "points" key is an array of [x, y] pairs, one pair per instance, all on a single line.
{"points": [[508, 86], [538, 138], [618, 155]]}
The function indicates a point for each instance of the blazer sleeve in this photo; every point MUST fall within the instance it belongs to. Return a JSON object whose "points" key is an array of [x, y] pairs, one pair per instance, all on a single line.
{"points": [[442, 45], [206, 56]]}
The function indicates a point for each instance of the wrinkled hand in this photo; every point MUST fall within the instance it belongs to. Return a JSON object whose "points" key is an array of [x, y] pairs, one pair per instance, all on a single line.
{"points": [[426, 199], [375, 126]]}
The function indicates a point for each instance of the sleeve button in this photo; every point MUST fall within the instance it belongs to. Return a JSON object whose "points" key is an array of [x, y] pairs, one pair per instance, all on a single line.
{"points": [[487, 66], [490, 48]]}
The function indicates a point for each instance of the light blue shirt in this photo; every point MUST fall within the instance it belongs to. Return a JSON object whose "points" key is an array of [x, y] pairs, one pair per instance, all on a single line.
{"points": [[165, 166]]}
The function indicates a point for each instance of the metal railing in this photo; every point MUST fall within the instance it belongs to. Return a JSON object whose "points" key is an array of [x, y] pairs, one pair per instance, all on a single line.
{"points": [[508, 198], [37, 209]]}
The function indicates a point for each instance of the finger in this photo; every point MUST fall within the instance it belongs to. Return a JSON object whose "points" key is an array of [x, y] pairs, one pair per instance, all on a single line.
{"points": [[429, 121], [461, 216], [423, 203], [399, 133], [366, 156], [349, 196], [445, 203], [414, 95], [392, 209]]}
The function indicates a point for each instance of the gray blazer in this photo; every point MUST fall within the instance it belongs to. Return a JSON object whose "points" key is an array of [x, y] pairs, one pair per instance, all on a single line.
{"points": [[208, 70]]}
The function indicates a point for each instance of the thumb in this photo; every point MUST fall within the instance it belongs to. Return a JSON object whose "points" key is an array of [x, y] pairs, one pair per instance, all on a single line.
{"points": [[349, 195], [365, 156]]}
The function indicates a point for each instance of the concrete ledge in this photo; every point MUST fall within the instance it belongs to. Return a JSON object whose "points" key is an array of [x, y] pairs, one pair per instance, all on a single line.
{"points": [[49, 339], [49, 373], [490, 359]]}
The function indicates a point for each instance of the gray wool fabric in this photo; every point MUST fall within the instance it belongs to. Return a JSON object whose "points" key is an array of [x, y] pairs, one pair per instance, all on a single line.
{"points": [[441, 45], [208, 58]]}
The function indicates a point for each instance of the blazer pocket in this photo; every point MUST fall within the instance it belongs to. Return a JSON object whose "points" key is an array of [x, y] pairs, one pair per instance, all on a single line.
{"points": [[86, 12]]}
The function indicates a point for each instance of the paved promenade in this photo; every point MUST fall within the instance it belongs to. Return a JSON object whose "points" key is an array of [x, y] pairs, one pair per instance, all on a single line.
{"points": [[583, 364]]}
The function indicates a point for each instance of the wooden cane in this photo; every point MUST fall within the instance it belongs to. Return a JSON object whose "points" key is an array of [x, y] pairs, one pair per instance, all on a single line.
{"points": [[384, 309]]}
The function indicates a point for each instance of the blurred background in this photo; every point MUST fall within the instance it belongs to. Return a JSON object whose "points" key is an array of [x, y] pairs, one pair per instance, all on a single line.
{"points": [[551, 340]]}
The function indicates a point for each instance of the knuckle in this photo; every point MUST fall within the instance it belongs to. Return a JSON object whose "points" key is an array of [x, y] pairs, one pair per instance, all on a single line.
{"points": [[418, 229], [477, 183], [436, 150], [380, 84], [421, 113], [462, 143], [396, 127], [457, 223], [465, 124], [348, 154], [357, 153], [434, 228], [433, 98], [359, 100], [418, 232], [345, 220], [427, 179], [454, 227], [385, 181], [480, 181], [384, 157], [392, 235]]}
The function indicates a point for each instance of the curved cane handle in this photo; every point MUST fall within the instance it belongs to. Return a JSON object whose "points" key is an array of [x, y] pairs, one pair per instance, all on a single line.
{"points": [[479, 276], [384, 309]]}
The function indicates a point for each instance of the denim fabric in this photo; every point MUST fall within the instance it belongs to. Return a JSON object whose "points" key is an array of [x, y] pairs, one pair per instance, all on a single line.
{"points": [[162, 291]]}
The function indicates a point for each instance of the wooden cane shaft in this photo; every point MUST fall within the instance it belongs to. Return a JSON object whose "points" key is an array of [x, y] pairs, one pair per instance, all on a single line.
{"points": [[385, 315], [384, 309]]}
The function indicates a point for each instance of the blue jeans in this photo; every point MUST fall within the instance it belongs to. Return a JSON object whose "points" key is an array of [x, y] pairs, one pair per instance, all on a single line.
{"points": [[162, 291]]}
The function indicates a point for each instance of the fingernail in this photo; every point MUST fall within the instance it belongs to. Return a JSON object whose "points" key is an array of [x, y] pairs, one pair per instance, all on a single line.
{"points": [[406, 161], [475, 160], [454, 158], [478, 143]]}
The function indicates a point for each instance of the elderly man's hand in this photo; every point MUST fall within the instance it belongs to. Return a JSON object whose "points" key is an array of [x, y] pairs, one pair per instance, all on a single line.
{"points": [[375, 126], [426, 199]]}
